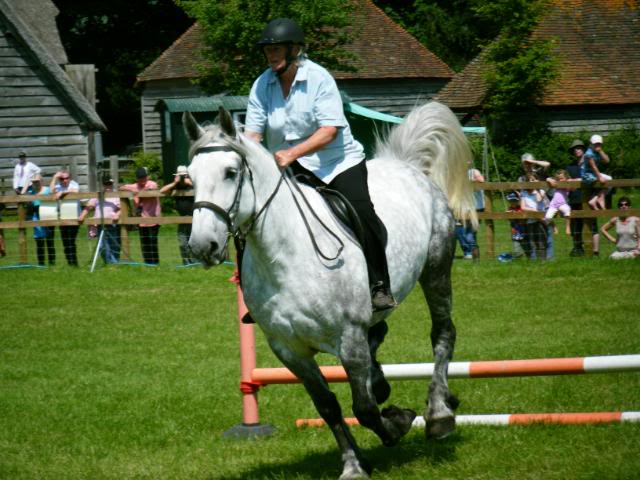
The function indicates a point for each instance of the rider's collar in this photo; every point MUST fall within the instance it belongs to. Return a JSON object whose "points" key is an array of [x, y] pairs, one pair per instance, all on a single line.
{"points": [[301, 75]]}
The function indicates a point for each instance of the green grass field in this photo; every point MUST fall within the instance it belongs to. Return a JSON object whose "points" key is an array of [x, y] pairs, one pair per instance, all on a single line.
{"points": [[133, 372]]}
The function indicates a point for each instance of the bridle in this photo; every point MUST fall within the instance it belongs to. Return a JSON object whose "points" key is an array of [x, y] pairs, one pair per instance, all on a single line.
{"points": [[239, 235], [229, 214]]}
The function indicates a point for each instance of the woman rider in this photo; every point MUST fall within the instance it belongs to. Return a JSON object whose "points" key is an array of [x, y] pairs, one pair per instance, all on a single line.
{"points": [[296, 106]]}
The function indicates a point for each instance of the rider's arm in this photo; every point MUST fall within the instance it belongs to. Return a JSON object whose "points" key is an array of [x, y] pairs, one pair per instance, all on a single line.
{"points": [[322, 137]]}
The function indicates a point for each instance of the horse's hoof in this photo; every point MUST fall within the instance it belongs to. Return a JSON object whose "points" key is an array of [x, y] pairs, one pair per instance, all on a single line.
{"points": [[440, 428], [354, 469], [400, 420]]}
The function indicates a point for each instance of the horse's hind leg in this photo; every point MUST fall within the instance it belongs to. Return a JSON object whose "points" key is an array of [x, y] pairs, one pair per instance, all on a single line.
{"points": [[381, 388], [436, 286], [306, 369], [392, 423]]}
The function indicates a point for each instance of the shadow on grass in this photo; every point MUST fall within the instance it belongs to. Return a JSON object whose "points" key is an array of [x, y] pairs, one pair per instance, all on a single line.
{"points": [[327, 465]]}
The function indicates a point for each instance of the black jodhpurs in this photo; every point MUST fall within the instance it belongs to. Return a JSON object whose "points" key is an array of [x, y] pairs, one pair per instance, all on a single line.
{"points": [[352, 183]]}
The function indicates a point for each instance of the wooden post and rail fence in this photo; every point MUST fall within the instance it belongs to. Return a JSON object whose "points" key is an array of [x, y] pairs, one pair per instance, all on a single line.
{"points": [[492, 191]]}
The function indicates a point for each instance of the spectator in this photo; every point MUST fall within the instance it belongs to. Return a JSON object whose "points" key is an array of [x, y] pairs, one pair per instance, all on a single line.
{"points": [[532, 166], [42, 235], [592, 160], [61, 185], [23, 172], [576, 150], [560, 200], [518, 226], [3, 250], [109, 210], [532, 200], [627, 230], [539, 168], [146, 207], [465, 233], [184, 206]]}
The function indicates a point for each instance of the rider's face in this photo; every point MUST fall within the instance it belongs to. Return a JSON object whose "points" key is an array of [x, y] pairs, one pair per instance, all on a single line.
{"points": [[276, 56]]}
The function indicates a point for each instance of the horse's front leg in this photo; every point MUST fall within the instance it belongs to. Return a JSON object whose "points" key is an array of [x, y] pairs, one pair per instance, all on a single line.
{"points": [[306, 369], [392, 423]]}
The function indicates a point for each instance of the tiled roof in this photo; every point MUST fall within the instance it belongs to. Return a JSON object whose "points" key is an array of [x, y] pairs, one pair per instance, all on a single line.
{"points": [[385, 50], [599, 52], [179, 60]]}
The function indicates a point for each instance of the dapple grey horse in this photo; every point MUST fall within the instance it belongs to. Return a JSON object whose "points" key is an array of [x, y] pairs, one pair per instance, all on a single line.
{"points": [[304, 275]]}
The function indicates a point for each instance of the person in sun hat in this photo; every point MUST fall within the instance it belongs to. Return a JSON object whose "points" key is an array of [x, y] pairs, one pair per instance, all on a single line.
{"points": [[146, 207], [62, 184], [184, 206]]}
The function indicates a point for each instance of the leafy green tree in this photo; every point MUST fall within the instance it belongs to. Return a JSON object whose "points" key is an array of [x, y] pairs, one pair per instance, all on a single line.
{"points": [[449, 28], [521, 65], [120, 38], [232, 61]]}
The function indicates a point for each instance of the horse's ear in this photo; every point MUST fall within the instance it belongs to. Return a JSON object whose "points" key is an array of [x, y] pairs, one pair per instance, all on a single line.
{"points": [[226, 122], [191, 127]]}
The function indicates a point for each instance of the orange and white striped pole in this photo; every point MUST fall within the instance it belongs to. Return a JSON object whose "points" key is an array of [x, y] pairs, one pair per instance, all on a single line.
{"points": [[481, 369], [582, 418]]}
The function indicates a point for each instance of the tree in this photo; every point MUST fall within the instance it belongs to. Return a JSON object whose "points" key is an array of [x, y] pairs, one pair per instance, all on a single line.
{"points": [[521, 65], [121, 38], [231, 28], [449, 28]]}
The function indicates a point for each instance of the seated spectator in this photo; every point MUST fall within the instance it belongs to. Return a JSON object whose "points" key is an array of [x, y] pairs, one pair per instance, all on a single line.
{"points": [[42, 235], [592, 161], [109, 210], [627, 231], [184, 206], [61, 184], [518, 226], [146, 207], [533, 200]]}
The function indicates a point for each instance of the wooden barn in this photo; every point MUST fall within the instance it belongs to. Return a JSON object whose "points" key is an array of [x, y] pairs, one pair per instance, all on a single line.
{"points": [[598, 46], [42, 109], [394, 71]]}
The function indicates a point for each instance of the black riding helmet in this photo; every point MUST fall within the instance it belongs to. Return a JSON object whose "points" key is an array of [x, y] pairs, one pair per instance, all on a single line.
{"points": [[282, 31]]}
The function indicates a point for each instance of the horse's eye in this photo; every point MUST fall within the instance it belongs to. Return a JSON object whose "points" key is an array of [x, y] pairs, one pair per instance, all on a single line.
{"points": [[231, 174]]}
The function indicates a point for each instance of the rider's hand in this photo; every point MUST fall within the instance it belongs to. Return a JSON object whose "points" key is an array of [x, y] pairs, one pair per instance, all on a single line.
{"points": [[284, 158]]}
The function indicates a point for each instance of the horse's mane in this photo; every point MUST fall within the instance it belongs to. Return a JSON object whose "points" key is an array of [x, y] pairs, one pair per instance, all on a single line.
{"points": [[431, 139]]}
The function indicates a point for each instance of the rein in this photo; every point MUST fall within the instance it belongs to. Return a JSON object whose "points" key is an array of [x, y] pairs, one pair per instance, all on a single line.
{"points": [[241, 234]]}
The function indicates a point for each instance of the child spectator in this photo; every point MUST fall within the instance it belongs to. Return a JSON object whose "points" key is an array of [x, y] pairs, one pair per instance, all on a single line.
{"points": [[627, 230], [518, 226], [532, 200], [560, 200], [109, 210], [592, 160]]}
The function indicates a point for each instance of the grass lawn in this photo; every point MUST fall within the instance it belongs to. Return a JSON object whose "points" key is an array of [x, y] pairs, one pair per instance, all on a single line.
{"points": [[133, 372]]}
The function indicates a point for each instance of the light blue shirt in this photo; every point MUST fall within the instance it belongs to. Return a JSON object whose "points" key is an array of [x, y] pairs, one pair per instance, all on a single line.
{"points": [[313, 102]]}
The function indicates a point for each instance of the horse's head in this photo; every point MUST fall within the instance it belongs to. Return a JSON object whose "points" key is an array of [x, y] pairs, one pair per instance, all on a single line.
{"points": [[220, 175]]}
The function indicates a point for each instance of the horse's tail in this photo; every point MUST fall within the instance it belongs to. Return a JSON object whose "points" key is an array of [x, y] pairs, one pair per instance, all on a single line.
{"points": [[431, 139]]}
